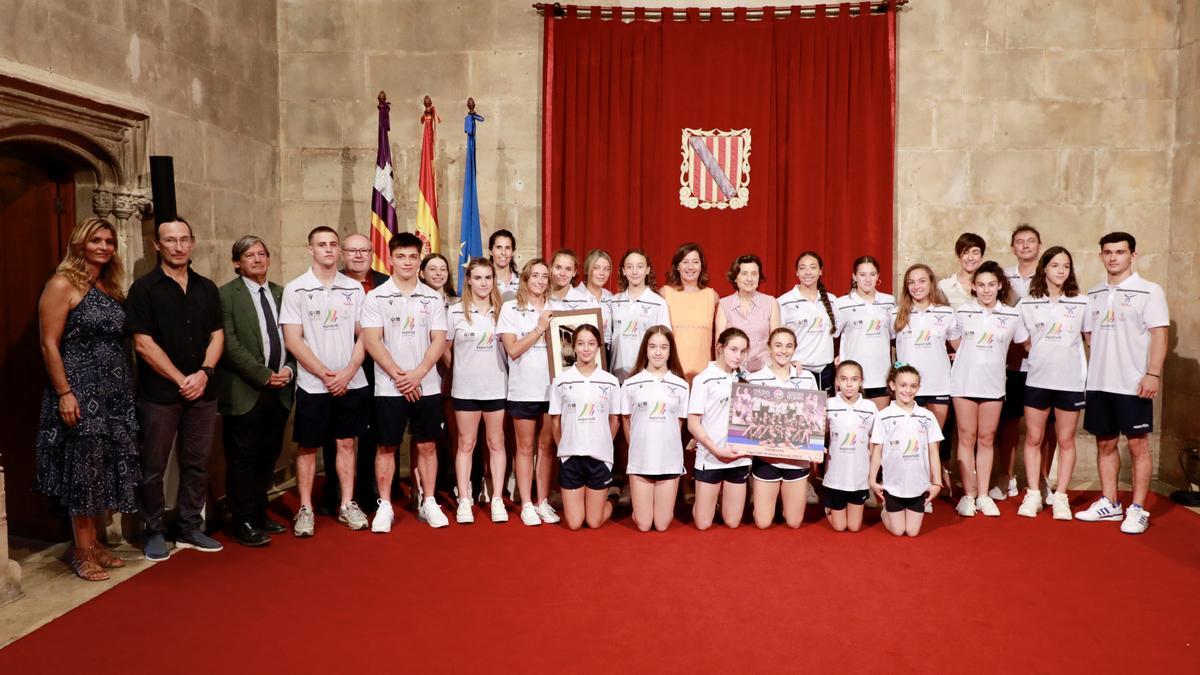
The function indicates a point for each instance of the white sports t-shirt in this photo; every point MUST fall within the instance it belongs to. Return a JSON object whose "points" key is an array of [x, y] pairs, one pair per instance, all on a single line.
{"points": [[581, 299], [985, 336], [1056, 327], [905, 437], [922, 344], [956, 294], [797, 379], [711, 390], [407, 321], [1020, 286], [327, 315], [866, 333], [585, 404], [529, 373], [655, 404], [1120, 318], [809, 320], [630, 319], [509, 291], [481, 373], [850, 424]]}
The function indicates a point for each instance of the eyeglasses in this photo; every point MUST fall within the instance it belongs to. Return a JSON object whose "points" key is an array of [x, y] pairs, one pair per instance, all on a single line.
{"points": [[358, 251], [177, 241]]}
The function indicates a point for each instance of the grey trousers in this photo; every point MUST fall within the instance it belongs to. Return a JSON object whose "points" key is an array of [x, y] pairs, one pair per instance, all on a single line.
{"points": [[193, 423]]}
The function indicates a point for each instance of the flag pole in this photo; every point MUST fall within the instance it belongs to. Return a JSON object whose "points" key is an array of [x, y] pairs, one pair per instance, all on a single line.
{"points": [[383, 198], [427, 217]]}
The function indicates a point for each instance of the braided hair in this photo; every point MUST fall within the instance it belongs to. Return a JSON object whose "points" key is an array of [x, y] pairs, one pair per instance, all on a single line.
{"points": [[824, 294]]}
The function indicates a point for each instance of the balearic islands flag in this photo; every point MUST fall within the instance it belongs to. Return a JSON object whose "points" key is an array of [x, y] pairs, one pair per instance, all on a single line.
{"points": [[471, 246], [427, 224], [383, 198]]}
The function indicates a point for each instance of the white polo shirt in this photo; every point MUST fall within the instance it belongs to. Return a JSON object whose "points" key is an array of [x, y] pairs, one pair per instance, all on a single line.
{"points": [[865, 329], [905, 437], [577, 298], [849, 426], [711, 390], [327, 315], [407, 322], [509, 291], [983, 350], [922, 344], [481, 373], [655, 405], [956, 294], [1019, 283], [630, 320], [585, 404], [798, 378], [1120, 319], [809, 320], [1056, 327], [529, 373]]}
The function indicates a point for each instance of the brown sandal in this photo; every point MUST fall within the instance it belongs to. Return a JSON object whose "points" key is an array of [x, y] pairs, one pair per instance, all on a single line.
{"points": [[106, 559], [86, 567]]}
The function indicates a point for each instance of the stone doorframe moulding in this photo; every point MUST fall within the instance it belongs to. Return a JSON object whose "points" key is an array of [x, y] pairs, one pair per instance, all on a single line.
{"points": [[105, 136]]}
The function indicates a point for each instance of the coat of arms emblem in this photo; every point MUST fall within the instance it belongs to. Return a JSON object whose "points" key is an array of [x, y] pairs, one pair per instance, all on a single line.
{"points": [[715, 172]]}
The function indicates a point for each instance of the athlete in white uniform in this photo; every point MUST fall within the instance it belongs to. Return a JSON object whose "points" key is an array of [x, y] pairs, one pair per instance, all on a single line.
{"points": [[850, 416], [564, 297], [904, 443], [585, 405], [404, 326], [865, 328], [720, 471], [480, 386], [1128, 319], [808, 309], [986, 328], [319, 317], [522, 327], [634, 310], [969, 249], [782, 480], [1055, 315], [597, 270]]}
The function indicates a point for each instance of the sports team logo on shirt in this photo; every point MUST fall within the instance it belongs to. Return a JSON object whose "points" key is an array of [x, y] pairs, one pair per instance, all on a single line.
{"points": [[911, 450], [331, 319], [715, 173], [348, 298], [924, 339], [987, 340], [587, 413], [849, 441], [816, 326], [939, 319], [1055, 331], [631, 329], [1070, 310], [486, 340], [1003, 321], [1127, 299], [1110, 319], [874, 327], [659, 411]]}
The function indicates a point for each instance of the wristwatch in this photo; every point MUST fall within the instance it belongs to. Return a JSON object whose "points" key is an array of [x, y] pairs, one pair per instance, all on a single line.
{"points": [[207, 371]]}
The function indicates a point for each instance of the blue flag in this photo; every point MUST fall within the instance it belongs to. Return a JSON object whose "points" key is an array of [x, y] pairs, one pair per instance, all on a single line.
{"points": [[472, 240]]}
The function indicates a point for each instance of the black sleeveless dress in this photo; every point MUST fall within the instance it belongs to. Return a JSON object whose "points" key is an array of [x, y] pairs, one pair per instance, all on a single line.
{"points": [[93, 467]]}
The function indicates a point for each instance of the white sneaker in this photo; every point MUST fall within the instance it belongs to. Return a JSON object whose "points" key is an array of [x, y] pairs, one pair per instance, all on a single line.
{"points": [[987, 506], [499, 513], [928, 507], [1101, 509], [431, 513], [1061, 507], [966, 506], [464, 514], [1012, 487], [1030, 505], [529, 514], [384, 516], [1136, 520], [997, 494], [546, 513]]}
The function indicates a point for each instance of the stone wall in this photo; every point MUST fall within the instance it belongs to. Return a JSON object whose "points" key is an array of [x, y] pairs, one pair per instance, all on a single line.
{"points": [[208, 72]]}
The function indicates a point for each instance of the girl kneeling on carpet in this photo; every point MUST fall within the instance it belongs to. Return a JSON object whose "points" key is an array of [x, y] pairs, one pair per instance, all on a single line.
{"points": [[781, 477], [654, 400], [850, 416], [584, 406], [904, 442], [720, 471]]}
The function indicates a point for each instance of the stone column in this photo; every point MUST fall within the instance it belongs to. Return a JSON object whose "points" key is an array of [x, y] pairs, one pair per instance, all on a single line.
{"points": [[10, 571]]}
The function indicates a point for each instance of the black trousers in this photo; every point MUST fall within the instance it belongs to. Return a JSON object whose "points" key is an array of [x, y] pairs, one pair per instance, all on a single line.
{"points": [[253, 442], [192, 422]]}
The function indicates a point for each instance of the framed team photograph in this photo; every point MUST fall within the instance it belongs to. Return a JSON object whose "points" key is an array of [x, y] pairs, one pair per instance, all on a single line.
{"points": [[561, 335], [777, 423]]}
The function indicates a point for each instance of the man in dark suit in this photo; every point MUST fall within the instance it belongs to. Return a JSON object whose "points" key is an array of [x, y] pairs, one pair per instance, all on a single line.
{"points": [[254, 389]]}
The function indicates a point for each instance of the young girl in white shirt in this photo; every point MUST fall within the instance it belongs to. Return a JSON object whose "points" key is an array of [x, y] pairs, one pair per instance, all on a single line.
{"points": [[776, 479], [986, 327], [865, 328], [808, 310], [904, 443], [654, 404], [850, 417], [634, 310], [584, 407], [720, 470]]}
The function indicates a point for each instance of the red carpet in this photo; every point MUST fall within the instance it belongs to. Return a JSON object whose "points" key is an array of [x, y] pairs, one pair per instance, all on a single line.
{"points": [[981, 595]]}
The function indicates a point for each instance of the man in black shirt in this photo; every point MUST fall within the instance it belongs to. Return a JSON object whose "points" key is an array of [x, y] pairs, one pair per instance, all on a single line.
{"points": [[174, 315]]}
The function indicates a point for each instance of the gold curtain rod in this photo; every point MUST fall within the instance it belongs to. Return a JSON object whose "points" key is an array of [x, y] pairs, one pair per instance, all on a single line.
{"points": [[680, 13]]}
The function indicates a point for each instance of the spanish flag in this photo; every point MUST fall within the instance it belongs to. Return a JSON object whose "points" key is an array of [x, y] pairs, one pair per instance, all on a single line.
{"points": [[383, 197], [427, 225]]}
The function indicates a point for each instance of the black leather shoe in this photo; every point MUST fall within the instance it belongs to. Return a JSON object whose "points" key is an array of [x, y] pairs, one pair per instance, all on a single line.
{"points": [[271, 527], [247, 535]]}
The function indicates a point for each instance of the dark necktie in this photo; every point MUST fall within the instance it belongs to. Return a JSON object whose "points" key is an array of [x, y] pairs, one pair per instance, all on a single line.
{"points": [[275, 350]]}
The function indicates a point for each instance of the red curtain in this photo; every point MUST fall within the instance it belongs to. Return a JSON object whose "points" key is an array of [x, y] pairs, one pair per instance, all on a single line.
{"points": [[816, 93]]}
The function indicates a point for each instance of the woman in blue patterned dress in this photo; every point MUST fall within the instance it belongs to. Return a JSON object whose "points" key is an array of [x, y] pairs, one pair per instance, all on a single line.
{"points": [[87, 453]]}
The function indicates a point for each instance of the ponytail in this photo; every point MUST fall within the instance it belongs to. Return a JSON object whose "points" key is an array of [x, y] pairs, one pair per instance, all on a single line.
{"points": [[828, 305]]}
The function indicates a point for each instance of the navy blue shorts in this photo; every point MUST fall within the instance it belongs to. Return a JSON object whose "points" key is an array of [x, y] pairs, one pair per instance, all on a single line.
{"points": [[837, 500], [584, 472], [1014, 395], [478, 405], [769, 473], [528, 410], [1110, 414], [897, 504], [1041, 399], [323, 417], [737, 475], [394, 414], [924, 401], [877, 392]]}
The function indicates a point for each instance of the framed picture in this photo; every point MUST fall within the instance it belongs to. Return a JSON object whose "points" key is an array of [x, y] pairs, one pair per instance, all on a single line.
{"points": [[561, 335], [777, 423]]}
